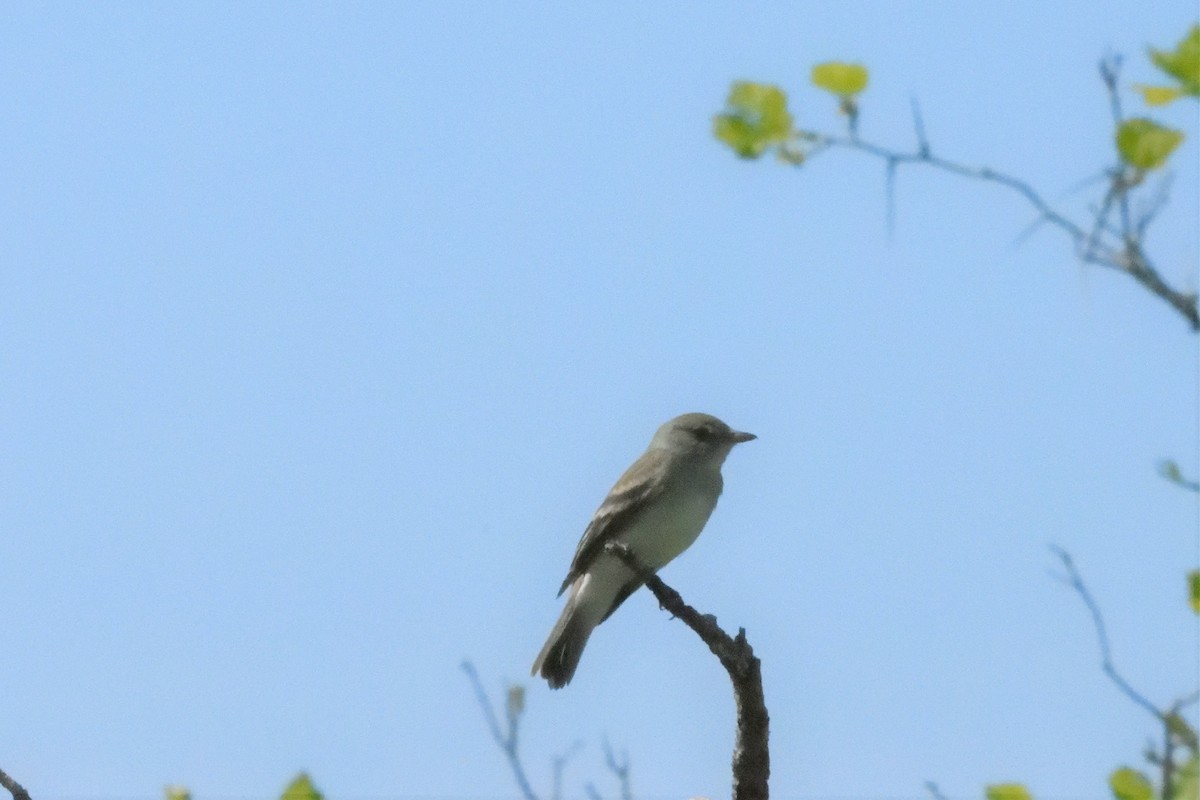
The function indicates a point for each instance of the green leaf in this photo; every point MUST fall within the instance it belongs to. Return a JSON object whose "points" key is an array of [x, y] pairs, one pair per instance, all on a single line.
{"points": [[515, 700], [1186, 785], [1129, 784], [1159, 95], [1145, 144], [1170, 470], [1183, 63], [1194, 590], [1182, 731], [844, 80], [1007, 791], [302, 789], [756, 118]]}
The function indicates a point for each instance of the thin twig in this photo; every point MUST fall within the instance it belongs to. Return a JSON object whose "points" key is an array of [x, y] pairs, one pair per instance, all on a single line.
{"points": [[620, 769], [889, 189], [1157, 202], [1170, 470], [506, 741], [923, 148], [1075, 581], [751, 754], [977, 173], [17, 790], [560, 764], [1101, 223], [1110, 71], [934, 791], [1175, 732]]}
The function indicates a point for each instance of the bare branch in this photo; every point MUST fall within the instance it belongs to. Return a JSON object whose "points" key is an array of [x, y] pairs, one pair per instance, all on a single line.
{"points": [[1176, 732], [15, 789], [1143, 273], [508, 740], [1075, 581], [751, 754], [1028, 231]]}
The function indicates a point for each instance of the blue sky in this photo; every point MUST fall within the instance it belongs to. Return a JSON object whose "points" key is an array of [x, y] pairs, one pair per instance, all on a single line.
{"points": [[324, 330]]}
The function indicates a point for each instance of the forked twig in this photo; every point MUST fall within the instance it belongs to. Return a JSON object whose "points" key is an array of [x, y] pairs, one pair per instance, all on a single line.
{"points": [[507, 740], [1074, 580]]}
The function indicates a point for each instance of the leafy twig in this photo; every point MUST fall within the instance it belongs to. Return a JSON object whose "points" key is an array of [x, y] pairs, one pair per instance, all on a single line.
{"points": [[751, 754], [1117, 246]]}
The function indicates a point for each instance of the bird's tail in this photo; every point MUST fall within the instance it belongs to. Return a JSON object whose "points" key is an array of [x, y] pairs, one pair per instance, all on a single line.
{"points": [[560, 655]]}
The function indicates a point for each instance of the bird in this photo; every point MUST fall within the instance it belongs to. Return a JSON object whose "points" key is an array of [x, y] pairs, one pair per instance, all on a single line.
{"points": [[657, 508]]}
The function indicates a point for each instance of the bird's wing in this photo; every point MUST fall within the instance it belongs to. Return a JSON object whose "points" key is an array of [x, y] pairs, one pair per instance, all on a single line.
{"points": [[640, 484]]}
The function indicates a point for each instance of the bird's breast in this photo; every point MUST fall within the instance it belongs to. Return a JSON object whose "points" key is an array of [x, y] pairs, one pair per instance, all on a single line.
{"points": [[669, 526]]}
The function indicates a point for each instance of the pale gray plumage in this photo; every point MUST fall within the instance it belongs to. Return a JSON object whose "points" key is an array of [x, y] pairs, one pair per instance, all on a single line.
{"points": [[657, 508]]}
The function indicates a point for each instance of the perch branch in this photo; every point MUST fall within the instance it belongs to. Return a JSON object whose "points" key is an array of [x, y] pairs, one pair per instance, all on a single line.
{"points": [[15, 789], [751, 755]]}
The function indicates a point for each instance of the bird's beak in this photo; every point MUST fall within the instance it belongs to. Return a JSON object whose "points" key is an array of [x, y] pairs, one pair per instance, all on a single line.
{"points": [[739, 436]]}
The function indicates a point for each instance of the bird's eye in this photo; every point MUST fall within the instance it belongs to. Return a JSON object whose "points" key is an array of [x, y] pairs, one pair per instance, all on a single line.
{"points": [[703, 434]]}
